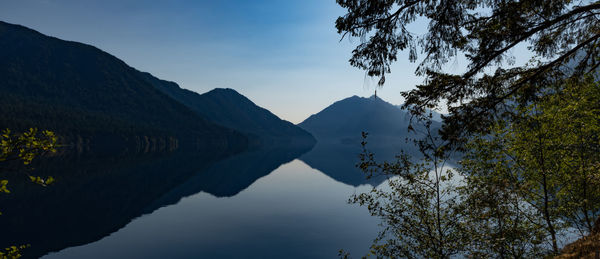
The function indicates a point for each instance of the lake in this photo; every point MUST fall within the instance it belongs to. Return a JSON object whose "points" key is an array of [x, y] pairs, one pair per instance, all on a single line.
{"points": [[268, 203]]}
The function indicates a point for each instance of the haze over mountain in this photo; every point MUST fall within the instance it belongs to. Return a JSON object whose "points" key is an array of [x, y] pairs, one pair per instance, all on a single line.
{"points": [[338, 130], [345, 120], [91, 98], [229, 108], [94, 100]]}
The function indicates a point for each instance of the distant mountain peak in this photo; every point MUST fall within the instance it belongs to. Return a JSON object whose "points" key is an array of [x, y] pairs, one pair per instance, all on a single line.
{"points": [[228, 93], [227, 107], [224, 90], [351, 116]]}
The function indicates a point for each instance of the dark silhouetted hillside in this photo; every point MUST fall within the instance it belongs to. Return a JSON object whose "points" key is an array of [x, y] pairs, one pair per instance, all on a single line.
{"points": [[92, 98], [229, 108]]}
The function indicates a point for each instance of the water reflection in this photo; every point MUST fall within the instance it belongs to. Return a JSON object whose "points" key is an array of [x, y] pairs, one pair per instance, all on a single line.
{"points": [[255, 204], [339, 159], [294, 212], [92, 197]]}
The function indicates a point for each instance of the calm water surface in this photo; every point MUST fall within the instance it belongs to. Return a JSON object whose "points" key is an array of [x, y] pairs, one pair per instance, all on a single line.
{"points": [[295, 211], [270, 203]]}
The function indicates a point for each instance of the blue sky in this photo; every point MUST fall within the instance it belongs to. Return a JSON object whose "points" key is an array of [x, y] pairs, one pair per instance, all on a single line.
{"points": [[284, 55]]}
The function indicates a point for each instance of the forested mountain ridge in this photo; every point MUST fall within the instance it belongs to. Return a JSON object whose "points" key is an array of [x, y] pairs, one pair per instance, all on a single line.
{"points": [[231, 109], [90, 97]]}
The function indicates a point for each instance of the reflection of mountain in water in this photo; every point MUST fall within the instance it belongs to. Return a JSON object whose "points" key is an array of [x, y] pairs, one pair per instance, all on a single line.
{"points": [[338, 131], [94, 197], [338, 160], [232, 175]]}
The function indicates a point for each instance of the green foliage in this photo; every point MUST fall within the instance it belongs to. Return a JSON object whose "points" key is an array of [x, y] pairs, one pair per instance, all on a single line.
{"points": [[25, 147], [563, 35], [501, 221], [530, 133], [536, 177], [42, 181], [3, 184], [522, 187], [418, 207], [12, 252]]}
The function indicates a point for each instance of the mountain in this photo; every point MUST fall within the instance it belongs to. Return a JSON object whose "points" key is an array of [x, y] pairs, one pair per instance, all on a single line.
{"points": [[346, 119], [338, 130], [229, 108], [92, 99]]}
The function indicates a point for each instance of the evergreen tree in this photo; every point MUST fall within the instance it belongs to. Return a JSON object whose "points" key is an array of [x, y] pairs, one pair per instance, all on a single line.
{"points": [[563, 35]]}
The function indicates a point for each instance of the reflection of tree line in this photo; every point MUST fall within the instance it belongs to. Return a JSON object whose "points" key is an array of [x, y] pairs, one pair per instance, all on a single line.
{"points": [[94, 196], [97, 194]]}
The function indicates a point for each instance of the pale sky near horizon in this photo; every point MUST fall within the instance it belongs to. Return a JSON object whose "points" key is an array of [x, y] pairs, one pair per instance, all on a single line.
{"points": [[286, 56]]}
